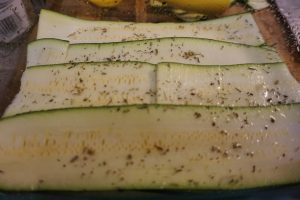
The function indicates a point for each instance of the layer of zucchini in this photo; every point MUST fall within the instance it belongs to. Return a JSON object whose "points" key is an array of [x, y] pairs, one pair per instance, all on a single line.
{"points": [[237, 28], [182, 50], [237, 85], [123, 83], [258, 4], [85, 85], [151, 147]]}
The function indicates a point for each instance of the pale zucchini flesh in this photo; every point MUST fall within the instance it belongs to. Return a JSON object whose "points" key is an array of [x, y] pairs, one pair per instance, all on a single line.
{"points": [[239, 85], [237, 28], [54, 51], [123, 83], [182, 50], [154, 147], [258, 4], [84, 85]]}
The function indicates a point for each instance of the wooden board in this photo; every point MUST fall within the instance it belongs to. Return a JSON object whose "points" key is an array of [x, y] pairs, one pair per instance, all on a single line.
{"points": [[12, 65]]}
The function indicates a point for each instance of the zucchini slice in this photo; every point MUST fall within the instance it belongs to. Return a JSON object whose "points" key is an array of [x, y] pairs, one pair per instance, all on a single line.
{"points": [[258, 4], [237, 85], [154, 147], [54, 51], [182, 50], [122, 83], [85, 85], [237, 28]]}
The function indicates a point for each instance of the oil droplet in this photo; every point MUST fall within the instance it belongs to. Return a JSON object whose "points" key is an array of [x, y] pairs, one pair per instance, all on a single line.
{"points": [[266, 94], [283, 115]]}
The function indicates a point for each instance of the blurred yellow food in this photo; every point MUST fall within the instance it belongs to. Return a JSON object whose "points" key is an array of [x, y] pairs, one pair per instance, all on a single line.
{"points": [[105, 3], [203, 6]]}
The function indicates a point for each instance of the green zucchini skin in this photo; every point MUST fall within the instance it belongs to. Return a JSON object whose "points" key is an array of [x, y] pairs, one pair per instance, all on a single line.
{"points": [[239, 28], [183, 50], [151, 147]]}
